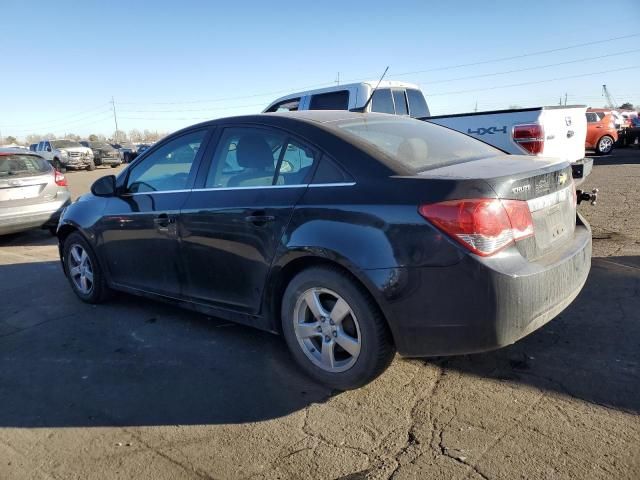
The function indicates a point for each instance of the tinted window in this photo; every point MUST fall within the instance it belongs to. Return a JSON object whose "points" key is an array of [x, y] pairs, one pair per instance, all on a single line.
{"points": [[400, 102], [245, 157], [415, 144], [382, 101], [329, 172], [18, 165], [592, 117], [168, 167], [255, 157], [296, 164], [290, 105], [330, 101], [65, 144], [417, 104]]}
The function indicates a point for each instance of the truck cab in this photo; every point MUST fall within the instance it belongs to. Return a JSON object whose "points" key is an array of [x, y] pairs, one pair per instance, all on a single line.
{"points": [[398, 98]]}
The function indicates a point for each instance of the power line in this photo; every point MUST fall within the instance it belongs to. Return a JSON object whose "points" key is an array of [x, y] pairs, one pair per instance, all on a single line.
{"points": [[194, 109], [450, 67], [531, 68], [49, 122], [63, 125], [530, 83]]}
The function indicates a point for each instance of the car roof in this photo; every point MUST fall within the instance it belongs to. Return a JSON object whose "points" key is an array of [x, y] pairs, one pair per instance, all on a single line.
{"points": [[13, 150]]}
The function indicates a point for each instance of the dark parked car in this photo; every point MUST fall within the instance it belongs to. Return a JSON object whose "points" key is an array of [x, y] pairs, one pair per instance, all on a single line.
{"points": [[32, 193], [128, 151], [103, 153], [353, 235]]}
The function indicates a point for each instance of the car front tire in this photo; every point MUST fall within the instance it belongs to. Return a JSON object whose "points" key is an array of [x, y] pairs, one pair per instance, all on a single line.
{"points": [[91, 166], [334, 330], [83, 270]]}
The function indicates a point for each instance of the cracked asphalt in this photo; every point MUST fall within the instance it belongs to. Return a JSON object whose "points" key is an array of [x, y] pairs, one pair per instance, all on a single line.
{"points": [[138, 389]]}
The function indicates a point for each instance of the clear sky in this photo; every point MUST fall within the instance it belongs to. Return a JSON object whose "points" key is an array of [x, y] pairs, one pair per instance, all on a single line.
{"points": [[169, 64]]}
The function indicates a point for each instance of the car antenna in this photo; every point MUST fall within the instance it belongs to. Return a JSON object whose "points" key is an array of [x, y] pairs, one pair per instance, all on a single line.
{"points": [[363, 109]]}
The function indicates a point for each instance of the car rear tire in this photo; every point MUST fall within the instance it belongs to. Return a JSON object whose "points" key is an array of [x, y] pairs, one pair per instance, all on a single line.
{"points": [[115, 165], [334, 330], [604, 145], [83, 270]]}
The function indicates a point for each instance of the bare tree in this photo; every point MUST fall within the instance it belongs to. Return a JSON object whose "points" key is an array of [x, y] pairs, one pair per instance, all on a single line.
{"points": [[135, 135]]}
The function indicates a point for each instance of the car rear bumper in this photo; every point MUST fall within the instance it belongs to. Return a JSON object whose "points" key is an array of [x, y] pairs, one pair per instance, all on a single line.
{"points": [[581, 169], [109, 161], [480, 304], [18, 219]]}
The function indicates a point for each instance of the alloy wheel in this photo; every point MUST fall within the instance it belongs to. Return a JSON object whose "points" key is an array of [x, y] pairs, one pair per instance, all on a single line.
{"points": [[80, 269], [327, 330], [606, 143]]}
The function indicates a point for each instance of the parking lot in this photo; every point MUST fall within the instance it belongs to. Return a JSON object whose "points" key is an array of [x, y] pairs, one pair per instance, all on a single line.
{"points": [[139, 389]]}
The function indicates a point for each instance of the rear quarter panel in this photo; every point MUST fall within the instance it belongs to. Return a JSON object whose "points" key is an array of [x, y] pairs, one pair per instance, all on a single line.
{"points": [[565, 130]]}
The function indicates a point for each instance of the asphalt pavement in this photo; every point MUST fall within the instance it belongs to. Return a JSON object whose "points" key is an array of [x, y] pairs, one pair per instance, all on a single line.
{"points": [[139, 389]]}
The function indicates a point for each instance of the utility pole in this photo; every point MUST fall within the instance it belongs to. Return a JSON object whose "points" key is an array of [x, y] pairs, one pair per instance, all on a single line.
{"points": [[338, 79], [475, 109], [565, 99], [560, 103], [115, 118]]}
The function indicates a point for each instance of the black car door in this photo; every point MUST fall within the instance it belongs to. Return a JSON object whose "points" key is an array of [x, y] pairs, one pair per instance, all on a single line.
{"points": [[139, 226], [232, 225]]}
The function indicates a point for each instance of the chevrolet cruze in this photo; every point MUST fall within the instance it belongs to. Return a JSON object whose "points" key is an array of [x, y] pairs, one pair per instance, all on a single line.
{"points": [[353, 235]]}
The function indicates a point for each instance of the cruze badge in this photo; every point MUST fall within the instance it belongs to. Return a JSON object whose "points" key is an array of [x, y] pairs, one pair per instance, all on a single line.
{"points": [[523, 188]]}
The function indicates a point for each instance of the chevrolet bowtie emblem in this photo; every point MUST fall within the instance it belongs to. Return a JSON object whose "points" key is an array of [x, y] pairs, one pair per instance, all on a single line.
{"points": [[562, 178]]}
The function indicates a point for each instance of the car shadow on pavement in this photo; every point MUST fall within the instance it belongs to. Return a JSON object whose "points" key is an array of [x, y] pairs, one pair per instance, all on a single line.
{"points": [[133, 361], [590, 351], [34, 237], [619, 156], [136, 362]]}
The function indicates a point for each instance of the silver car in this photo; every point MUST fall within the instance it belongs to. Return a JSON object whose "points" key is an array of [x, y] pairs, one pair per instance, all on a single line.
{"points": [[32, 193]]}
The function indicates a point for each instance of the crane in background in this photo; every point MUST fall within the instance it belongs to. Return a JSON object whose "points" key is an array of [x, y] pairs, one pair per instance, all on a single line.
{"points": [[611, 103]]}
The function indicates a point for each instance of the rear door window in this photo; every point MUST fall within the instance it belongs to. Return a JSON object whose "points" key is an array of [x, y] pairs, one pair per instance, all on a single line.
{"points": [[330, 101], [16, 166], [417, 104], [382, 101]]}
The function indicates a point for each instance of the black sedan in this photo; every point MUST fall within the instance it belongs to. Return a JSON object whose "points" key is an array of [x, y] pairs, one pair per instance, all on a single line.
{"points": [[353, 235]]}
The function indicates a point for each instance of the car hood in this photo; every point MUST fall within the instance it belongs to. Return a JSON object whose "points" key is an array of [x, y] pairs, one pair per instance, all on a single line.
{"points": [[75, 149]]}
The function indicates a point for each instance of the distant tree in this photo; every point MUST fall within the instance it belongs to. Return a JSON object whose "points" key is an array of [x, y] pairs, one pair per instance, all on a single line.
{"points": [[10, 139], [33, 138], [93, 137], [119, 136], [135, 135], [73, 136], [626, 106]]}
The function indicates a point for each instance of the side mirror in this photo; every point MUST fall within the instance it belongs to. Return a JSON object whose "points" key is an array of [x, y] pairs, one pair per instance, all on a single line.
{"points": [[48, 149], [104, 186]]}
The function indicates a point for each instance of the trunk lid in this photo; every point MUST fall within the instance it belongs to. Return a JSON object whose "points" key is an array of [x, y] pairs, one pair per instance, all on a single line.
{"points": [[25, 179], [545, 184]]}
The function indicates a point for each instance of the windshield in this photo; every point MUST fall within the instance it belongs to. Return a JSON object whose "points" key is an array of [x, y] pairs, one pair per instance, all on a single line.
{"points": [[102, 145], [65, 144], [19, 165], [415, 144]]}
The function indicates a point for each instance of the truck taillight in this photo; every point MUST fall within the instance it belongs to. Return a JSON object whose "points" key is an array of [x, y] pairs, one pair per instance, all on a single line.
{"points": [[530, 137], [60, 179], [485, 225]]}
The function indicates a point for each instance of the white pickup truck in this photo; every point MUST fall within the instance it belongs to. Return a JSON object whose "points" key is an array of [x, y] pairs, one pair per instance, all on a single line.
{"points": [[558, 131]]}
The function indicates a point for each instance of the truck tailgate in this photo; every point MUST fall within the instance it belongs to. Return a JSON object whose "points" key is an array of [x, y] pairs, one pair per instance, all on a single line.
{"points": [[565, 131]]}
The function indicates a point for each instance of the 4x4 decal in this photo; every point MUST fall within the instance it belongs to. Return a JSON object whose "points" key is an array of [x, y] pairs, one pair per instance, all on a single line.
{"points": [[484, 131]]}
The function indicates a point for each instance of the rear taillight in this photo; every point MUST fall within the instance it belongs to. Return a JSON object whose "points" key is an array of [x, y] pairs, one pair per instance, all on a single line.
{"points": [[485, 225], [530, 137], [60, 179]]}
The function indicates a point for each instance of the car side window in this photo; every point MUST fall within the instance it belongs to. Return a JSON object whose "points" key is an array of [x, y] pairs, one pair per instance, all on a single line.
{"points": [[592, 117], [330, 101], [417, 104], [290, 105], [258, 157], [167, 168], [400, 102], [296, 164], [382, 101]]}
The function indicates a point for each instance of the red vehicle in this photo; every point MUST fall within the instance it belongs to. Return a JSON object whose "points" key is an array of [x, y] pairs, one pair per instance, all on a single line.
{"points": [[601, 133]]}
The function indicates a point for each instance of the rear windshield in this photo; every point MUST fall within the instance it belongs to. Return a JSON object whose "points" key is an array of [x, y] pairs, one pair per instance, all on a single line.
{"points": [[22, 165], [415, 144]]}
